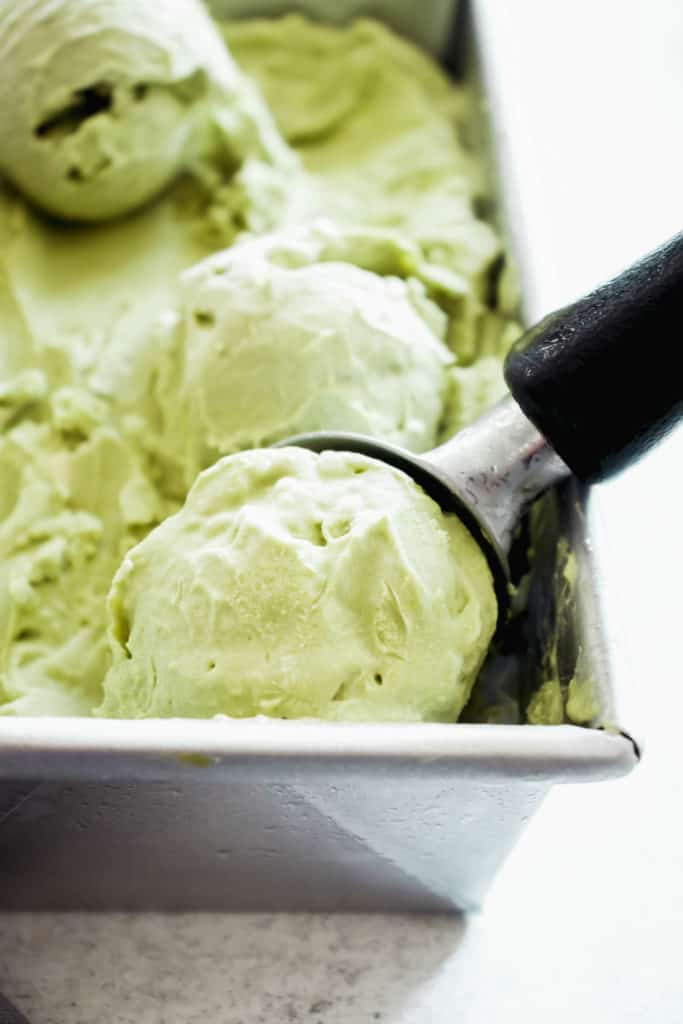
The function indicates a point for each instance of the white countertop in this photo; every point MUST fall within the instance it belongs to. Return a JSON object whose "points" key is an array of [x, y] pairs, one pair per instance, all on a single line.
{"points": [[584, 921]]}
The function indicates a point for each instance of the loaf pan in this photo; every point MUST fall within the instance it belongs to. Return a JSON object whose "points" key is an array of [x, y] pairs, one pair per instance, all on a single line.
{"points": [[227, 815]]}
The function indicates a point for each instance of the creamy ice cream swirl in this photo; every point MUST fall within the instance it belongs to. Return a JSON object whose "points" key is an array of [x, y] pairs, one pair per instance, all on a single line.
{"points": [[104, 102]]}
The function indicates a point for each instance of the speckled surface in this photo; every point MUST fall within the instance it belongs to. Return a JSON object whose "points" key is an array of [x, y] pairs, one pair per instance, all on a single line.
{"points": [[241, 969]]}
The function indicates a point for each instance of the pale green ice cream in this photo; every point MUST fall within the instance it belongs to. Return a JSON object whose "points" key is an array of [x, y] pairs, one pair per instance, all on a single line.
{"points": [[384, 317], [293, 584], [74, 498], [277, 336], [103, 102], [75, 495], [379, 128], [381, 131]]}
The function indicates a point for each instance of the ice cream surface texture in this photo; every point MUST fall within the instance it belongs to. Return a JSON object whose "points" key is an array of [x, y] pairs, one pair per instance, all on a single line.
{"points": [[277, 337], [293, 584], [308, 255], [69, 510], [74, 497], [102, 102], [379, 128]]}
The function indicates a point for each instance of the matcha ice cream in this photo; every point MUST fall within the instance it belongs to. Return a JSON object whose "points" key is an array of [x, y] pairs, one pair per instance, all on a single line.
{"points": [[293, 584], [275, 336], [74, 498], [75, 495], [322, 267], [380, 131], [104, 101]]}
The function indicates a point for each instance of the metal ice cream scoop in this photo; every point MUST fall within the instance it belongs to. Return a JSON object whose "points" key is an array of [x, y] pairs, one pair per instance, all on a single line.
{"points": [[593, 387]]}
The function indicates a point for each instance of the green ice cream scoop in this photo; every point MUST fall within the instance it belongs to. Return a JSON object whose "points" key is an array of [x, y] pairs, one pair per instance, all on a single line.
{"points": [[293, 584], [104, 101], [279, 335]]}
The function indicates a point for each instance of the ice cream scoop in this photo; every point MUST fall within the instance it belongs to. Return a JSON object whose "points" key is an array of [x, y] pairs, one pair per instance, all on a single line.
{"points": [[293, 585], [287, 333], [593, 385], [102, 102]]}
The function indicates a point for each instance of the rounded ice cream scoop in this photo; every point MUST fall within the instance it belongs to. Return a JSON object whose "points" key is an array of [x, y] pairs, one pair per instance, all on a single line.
{"points": [[294, 585], [593, 387], [272, 339], [102, 102]]}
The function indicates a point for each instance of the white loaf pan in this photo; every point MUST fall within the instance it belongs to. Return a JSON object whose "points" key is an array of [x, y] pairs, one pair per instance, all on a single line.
{"points": [[306, 815]]}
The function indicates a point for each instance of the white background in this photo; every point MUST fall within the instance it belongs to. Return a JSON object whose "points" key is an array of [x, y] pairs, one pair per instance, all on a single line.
{"points": [[584, 922]]}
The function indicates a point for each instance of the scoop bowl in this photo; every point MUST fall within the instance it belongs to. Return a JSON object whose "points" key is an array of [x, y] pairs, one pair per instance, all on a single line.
{"points": [[593, 387]]}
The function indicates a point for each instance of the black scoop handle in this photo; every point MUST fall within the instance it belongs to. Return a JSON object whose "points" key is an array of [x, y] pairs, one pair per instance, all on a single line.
{"points": [[601, 379]]}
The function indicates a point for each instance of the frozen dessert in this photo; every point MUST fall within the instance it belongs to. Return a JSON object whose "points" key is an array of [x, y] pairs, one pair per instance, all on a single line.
{"points": [[275, 336], [388, 151], [308, 255], [75, 495], [380, 129], [74, 498], [293, 584], [104, 101]]}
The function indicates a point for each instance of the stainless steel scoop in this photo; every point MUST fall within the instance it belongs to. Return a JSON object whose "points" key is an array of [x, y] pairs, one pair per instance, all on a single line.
{"points": [[593, 387], [487, 474]]}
